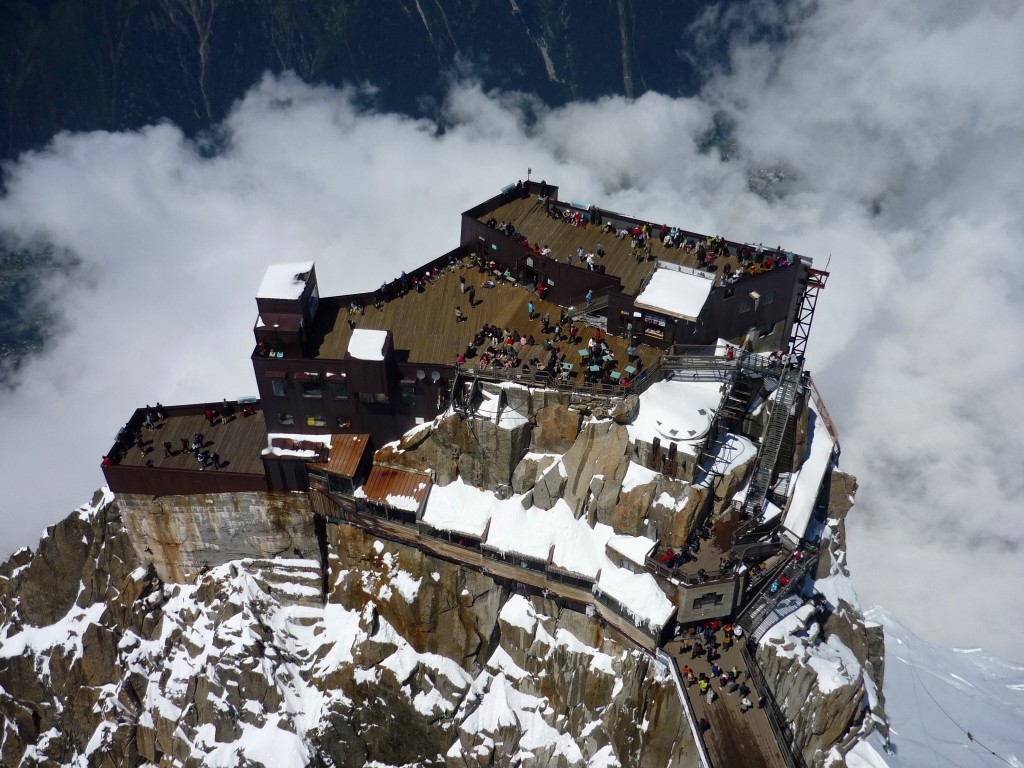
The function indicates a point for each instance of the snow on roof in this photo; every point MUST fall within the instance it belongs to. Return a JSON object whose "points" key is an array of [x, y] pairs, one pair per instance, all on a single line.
{"points": [[461, 508], [284, 281], [636, 548], [297, 439], [677, 411], [397, 488], [677, 291], [533, 533], [639, 593], [577, 546], [808, 479], [529, 532], [367, 345]]}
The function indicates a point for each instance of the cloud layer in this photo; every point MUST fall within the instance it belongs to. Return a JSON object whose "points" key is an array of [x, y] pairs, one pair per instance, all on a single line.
{"points": [[898, 130]]}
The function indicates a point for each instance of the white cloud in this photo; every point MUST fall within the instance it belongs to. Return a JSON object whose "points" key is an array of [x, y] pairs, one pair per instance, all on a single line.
{"points": [[899, 128]]}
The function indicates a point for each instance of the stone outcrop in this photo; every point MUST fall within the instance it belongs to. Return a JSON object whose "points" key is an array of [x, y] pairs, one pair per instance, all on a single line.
{"points": [[663, 509], [599, 452], [556, 430], [549, 486], [183, 535], [529, 470]]}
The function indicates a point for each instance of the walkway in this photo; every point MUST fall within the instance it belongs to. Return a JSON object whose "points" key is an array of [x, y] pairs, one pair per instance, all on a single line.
{"points": [[734, 739], [343, 511]]}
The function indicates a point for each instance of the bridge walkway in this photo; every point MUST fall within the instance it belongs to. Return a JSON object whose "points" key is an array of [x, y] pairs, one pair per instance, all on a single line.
{"points": [[734, 738]]}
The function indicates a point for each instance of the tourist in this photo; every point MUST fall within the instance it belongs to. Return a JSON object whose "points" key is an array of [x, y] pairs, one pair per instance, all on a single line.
{"points": [[459, 317], [529, 309], [745, 704], [167, 449]]}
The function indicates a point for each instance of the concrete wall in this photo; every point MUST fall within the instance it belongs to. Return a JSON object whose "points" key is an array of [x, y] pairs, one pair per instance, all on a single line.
{"points": [[182, 535]]}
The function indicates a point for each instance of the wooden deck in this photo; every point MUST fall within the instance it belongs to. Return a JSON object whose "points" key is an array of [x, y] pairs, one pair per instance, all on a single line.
{"points": [[238, 442], [735, 738], [425, 331], [530, 217]]}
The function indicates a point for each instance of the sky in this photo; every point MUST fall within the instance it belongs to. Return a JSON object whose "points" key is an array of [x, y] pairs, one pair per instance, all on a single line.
{"points": [[897, 133]]}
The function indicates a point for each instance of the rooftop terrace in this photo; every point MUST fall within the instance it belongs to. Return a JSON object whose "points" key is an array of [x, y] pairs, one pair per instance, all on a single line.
{"points": [[425, 330], [237, 440], [529, 215]]}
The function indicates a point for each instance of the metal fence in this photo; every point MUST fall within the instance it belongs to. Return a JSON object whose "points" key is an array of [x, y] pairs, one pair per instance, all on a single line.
{"points": [[779, 724]]}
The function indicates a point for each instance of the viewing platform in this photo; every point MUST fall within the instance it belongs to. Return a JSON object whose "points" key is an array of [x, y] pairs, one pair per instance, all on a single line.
{"points": [[166, 462], [424, 328]]}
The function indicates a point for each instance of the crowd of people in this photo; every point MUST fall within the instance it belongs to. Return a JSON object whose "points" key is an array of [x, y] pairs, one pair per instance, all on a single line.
{"points": [[705, 645], [155, 418]]}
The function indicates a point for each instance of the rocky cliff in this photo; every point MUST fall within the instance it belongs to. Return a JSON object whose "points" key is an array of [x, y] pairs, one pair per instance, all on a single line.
{"points": [[824, 662], [405, 660]]}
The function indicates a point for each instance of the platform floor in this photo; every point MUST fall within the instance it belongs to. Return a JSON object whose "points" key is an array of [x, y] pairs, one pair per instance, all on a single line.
{"points": [[735, 738], [238, 441], [425, 330]]}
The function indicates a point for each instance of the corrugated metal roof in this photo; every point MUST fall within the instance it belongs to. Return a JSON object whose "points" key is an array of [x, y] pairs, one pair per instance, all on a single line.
{"points": [[346, 453], [394, 487]]}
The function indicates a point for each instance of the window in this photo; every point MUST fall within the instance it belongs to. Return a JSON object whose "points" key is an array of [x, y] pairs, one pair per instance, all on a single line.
{"points": [[371, 398], [654, 325], [311, 389], [768, 298], [339, 390], [746, 305], [286, 419], [344, 422], [408, 393], [316, 421], [712, 598], [278, 385]]}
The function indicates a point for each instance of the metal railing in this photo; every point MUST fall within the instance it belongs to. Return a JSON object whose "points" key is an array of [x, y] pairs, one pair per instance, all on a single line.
{"points": [[819, 403], [691, 717]]}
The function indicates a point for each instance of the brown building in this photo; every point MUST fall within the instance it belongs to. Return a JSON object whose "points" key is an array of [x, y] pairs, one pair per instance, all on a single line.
{"points": [[379, 363]]}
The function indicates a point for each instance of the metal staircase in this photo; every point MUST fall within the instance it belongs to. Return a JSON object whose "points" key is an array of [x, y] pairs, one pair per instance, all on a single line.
{"points": [[760, 613], [581, 308], [771, 442]]}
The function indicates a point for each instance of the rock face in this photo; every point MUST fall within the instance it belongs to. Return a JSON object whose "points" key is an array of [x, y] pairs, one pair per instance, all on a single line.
{"points": [[825, 663], [599, 454], [402, 660], [183, 535]]}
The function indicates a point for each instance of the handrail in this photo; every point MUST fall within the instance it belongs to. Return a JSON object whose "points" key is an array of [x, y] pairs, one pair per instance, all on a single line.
{"points": [[691, 718], [545, 379], [779, 724], [819, 403], [711, 577]]}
